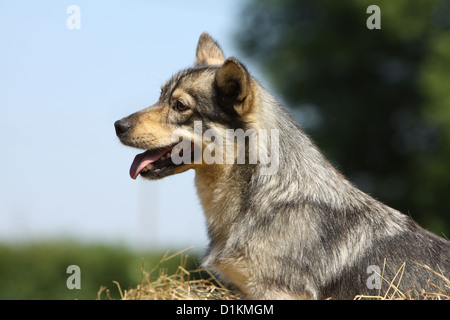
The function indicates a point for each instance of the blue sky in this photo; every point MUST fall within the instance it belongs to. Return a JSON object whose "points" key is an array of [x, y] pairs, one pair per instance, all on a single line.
{"points": [[63, 172]]}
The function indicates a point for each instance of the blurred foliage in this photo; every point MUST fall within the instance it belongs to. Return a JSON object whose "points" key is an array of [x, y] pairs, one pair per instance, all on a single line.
{"points": [[38, 271], [377, 102]]}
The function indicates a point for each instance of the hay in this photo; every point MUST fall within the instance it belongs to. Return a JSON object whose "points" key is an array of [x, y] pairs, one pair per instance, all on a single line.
{"points": [[182, 285], [193, 285]]}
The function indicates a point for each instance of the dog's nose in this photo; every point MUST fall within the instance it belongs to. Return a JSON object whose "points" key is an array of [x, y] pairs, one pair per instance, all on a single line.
{"points": [[122, 126]]}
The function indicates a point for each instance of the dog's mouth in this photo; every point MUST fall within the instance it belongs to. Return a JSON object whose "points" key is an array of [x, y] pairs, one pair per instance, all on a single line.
{"points": [[155, 163]]}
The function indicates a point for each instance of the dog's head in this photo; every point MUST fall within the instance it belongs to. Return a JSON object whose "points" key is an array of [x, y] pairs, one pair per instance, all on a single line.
{"points": [[216, 92]]}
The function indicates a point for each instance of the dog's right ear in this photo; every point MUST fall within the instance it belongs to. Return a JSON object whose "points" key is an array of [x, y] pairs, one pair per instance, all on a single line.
{"points": [[208, 51]]}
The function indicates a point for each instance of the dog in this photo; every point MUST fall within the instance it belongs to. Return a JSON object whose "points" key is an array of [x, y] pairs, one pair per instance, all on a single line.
{"points": [[302, 231]]}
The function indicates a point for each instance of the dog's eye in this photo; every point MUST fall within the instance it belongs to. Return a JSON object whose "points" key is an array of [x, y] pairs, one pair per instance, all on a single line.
{"points": [[180, 106]]}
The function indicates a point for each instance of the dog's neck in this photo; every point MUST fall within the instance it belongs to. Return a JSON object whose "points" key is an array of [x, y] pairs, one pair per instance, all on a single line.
{"points": [[220, 188]]}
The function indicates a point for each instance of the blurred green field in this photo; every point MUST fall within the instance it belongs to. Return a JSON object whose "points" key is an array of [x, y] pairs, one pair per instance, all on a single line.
{"points": [[38, 270]]}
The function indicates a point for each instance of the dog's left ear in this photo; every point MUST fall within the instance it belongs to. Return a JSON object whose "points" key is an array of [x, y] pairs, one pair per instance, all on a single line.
{"points": [[233, 83], [208, 51]]}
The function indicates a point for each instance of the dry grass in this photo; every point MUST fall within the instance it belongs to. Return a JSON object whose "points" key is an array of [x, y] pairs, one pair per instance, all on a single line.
{"points": [[182, 285], [193, 285]]}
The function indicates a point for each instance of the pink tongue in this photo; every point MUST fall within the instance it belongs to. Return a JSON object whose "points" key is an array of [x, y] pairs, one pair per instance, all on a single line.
{"points": [[142, 160]]}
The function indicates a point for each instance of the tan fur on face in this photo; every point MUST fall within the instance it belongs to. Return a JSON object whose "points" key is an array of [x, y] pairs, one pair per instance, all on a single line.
{"points": [[148, 130], [153, 127]]}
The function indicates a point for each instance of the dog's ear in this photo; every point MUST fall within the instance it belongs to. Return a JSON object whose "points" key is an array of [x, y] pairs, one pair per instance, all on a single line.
{"points": [[233, 83], [208, 51]]}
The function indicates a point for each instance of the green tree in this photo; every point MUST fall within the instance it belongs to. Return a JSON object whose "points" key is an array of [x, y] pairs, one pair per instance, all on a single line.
{"points": [[377, 102]]}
